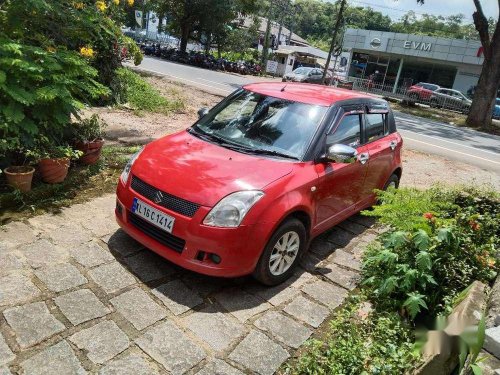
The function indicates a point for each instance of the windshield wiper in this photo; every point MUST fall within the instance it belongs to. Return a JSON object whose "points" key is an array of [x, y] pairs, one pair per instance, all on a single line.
{"points": [[272, 153]]}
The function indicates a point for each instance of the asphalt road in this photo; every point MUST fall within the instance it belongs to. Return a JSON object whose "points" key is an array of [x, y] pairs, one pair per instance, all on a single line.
{"points": [[454, 143]]}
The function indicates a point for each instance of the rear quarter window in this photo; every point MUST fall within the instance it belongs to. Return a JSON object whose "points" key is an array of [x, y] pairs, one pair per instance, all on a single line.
{"points": [[375, 126]]}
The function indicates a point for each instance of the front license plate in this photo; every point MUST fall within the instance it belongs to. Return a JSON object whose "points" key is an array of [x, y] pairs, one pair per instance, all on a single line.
{"points": [[158, 218]]}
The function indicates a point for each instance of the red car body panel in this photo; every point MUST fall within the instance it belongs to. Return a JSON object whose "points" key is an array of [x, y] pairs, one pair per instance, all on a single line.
{"points": [[204, 173], [423, 93]]}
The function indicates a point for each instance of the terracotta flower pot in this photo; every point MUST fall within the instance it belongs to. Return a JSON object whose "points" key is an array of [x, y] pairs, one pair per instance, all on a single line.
{"points": [[20, 177], [91, 151], [54, 171]]}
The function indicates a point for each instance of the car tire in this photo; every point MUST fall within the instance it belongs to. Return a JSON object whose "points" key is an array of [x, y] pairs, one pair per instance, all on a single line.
{"points": [[392, 181], [434, 103], [264, 272]]}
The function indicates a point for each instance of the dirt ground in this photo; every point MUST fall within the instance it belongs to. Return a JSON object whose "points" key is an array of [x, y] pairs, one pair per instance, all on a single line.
{"points": [[420, 170]]}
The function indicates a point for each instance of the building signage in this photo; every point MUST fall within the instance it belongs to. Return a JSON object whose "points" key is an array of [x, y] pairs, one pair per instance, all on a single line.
{"points": [[375, 43], [272, 66], [417, 45]]}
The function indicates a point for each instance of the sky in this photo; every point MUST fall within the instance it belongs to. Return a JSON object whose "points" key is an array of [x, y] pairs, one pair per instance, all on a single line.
{"points": [[396, 8]]}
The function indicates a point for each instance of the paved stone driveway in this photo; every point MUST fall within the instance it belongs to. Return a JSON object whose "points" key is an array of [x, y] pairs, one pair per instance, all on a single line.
{"points": [[78, 296]]}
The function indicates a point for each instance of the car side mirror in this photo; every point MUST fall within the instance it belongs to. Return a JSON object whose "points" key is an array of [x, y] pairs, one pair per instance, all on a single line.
{"points": [[202, 112], [339, 153]]}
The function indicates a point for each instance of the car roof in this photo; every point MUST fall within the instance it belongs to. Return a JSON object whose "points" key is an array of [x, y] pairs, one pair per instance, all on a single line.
{"points": [[305, 92]]}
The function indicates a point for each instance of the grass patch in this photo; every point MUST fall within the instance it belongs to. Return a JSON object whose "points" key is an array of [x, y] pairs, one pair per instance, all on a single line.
{"points": [[82, 184], [142, 96], [359, 342]]}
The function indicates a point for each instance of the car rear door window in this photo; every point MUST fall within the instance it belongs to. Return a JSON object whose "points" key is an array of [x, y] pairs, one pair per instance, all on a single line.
{"points": [[375, 126], [348, 132]]}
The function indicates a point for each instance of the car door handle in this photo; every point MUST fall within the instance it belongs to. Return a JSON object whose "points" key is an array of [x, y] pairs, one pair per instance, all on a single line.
{"points": [[363, 158], [393, 145]]}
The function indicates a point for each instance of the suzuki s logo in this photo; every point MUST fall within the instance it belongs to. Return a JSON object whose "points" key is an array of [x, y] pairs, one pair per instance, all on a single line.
{"points": [[158, 197], [375, 43]]}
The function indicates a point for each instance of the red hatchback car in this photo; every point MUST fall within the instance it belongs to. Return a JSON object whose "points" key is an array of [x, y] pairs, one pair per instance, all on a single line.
{"points": [[245, 189]]}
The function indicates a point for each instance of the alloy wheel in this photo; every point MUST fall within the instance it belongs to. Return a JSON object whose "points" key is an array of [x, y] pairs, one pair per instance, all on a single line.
{"points": [[284, 253]]}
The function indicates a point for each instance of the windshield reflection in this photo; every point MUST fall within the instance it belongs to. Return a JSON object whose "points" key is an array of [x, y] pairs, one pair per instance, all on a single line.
{"points": [[256, 122]]}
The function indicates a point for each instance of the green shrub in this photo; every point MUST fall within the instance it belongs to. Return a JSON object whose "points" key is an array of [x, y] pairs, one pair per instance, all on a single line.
{"points": [[140, 95], [38, 92], [427, 258], [377, 343]]}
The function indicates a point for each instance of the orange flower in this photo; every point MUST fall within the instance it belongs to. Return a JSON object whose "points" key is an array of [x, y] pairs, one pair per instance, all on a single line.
{"points": [[429, 216], [474, 225]]}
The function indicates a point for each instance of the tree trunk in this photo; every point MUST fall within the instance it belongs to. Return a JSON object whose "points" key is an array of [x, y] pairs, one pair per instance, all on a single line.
{"points": [[480, 113], [481, 110], [184, 37]]}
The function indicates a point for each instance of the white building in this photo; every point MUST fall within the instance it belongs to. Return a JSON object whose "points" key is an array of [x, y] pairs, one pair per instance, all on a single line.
{"points": [[405, 59]]}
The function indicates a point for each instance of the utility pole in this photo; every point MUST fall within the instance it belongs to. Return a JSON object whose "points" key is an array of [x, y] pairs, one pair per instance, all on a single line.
{"points": [[334, 37]]}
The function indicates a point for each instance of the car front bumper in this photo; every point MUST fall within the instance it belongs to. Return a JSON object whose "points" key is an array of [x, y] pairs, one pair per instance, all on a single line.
{"points": [[237, 248]]}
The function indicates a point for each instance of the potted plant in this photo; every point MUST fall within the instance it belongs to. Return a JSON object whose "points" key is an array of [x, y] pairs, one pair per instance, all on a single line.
{"points": [[88, 136], [19, 177], [19, 174], [54, 161]]}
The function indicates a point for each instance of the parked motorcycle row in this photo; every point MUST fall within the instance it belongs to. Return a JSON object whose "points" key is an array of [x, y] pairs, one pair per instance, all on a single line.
{"points": [[199, 59]]}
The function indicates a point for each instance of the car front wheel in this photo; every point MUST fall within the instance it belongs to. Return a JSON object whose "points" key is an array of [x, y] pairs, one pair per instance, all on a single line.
{"points": [[282, 253]]}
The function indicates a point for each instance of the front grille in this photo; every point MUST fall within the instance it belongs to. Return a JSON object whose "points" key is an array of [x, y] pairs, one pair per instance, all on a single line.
{"points": [[163, 199], [165, 238]]}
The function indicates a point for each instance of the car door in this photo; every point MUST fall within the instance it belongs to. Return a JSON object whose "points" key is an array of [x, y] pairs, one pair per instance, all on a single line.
{"points": [[381, 146], [340, 184]]}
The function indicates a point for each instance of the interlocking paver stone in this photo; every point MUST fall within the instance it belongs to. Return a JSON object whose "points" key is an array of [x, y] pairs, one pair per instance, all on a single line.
{"points": [[341, 276], [168, 345], [326, 293], [307, 311], [42, 252], [70, 235], [4, 370], [16, 288], [216, 329], [132, 364], [259, 354], [177, 296], [148, 266], [138, 308], [101, 225], [241, 304], [352, 227], [80, 306], [274, 295], [6, 354], [322, 248], [57, 359], [285, 329], [339, 236], [32, 323], [121, 243], [10, 262], [345, 259], [15, 234], [218, 367], [102, 341], [111, 277], [90, 254], [59, 277]]}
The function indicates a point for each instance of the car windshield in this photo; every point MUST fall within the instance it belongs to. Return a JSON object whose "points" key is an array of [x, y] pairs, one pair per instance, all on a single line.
{"points": [[302, 71], [256, 123]]}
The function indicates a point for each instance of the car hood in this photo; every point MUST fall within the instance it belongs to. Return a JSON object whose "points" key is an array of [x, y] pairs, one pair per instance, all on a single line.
{"points": [[201, 172]]}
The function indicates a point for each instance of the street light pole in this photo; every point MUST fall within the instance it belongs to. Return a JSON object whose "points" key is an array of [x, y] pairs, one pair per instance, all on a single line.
{"points": [[334, 37]]}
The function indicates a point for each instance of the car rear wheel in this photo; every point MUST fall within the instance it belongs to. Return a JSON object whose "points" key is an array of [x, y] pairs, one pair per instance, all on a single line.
{"points": [[282, 253], [393, 181]]}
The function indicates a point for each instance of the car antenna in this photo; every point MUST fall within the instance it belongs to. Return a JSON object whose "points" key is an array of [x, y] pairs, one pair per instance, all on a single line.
{"points": [[283, 88]]}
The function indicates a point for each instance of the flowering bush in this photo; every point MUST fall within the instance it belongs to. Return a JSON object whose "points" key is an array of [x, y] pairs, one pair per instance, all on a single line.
{"points": [[425, 261], [55, 55]]}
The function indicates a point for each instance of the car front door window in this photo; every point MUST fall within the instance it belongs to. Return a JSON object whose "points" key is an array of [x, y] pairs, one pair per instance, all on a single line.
{"points": [[348, 132]]}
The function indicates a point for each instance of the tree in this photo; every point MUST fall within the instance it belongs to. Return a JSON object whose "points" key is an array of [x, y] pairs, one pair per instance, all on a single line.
{"points": [[480, 113], [489, 80]]}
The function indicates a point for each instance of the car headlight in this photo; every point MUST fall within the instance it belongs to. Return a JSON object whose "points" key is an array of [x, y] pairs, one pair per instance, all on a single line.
{"points": [[126, 171], [231, 210]]}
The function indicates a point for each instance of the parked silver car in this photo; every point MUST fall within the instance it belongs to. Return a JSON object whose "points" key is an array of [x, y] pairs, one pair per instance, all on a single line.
{"points": [[450, 99], [307, 75]]}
